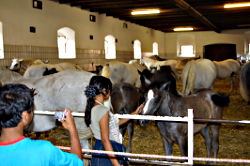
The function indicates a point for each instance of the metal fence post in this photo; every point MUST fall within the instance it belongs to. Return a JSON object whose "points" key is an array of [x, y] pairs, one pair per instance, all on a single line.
{"points": [[190, 136]]}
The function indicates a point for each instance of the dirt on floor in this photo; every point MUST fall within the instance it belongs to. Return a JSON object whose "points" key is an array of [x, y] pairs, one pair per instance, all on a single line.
{"points": [[234, 138]]}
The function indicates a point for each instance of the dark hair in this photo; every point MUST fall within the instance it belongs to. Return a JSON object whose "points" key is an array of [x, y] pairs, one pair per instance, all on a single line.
{"points": [[95, 87], [14, 99]]}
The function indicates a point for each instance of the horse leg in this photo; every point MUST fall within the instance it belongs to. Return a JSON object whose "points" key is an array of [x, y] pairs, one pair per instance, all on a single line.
{"points": [[215, 129], [231, 83], [130, 128], [182, 142], [168, 144], [206, 136]]}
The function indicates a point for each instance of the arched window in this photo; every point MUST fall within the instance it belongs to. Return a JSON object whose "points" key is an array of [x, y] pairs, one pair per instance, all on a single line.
{"points": [[109, 47], [249, 48], [66, 43], [187, 51], [186, 45], [155, 48], [137, 49], [1, 41]]}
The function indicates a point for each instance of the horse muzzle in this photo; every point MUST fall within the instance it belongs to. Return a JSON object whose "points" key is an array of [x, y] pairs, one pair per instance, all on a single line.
{"points": [[143, 122]]}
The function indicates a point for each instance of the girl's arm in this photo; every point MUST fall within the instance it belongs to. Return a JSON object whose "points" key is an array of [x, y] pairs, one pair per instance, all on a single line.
{"points": [[137, 111], [104, 126]]}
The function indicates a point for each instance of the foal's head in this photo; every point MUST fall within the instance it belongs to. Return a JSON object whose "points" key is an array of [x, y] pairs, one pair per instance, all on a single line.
{"points": [[156, 97]]}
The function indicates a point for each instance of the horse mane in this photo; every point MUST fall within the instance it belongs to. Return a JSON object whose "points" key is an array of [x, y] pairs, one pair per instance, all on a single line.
{"points": [[220, 99], [162, 76]]}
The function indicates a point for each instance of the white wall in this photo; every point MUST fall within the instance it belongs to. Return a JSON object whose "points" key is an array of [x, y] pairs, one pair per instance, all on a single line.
{"points": [[238, 37], [18, 15]]}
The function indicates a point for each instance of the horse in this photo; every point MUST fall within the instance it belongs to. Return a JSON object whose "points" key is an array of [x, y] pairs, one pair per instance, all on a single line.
{"points": [[164, 100], [58, 91], [157, 57], [7, 75], [227, 68], [245, 82], [119, 72], [125, 98], [38, 70], [198, 74], [20, 65], [151, 63], [162, 75], [137, 64]]}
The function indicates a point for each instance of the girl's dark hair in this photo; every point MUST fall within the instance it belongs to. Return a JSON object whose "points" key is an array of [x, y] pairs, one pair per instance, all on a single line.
{"points": [[96, 86], [14, 99]]}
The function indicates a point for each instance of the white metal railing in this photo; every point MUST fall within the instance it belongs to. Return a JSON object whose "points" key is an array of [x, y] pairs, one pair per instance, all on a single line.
{"points": [[189, 119]]}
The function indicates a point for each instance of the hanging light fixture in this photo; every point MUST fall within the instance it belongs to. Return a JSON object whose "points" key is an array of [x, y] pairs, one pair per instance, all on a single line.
{"points": [[235, 5], [145, 11], [183, 29]]}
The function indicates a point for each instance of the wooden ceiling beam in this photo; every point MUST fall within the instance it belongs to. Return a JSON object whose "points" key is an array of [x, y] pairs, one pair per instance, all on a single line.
{"points": [[192, 11], [127, 12], [106, 2], [80, 1], [119, 5]]}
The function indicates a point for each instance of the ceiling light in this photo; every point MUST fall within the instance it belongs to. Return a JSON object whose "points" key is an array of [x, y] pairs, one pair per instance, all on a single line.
{"points": [[145, 11], [184, 29], [234, 5]]}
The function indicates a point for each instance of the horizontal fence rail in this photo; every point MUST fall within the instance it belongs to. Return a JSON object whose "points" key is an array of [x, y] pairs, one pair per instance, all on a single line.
{"points": [[149, 117], [188, 120], [150, 156]]}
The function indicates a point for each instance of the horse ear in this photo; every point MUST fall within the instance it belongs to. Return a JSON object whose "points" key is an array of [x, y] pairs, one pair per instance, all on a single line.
{"points": [[147, 81], [165, 86], [20, 60]]}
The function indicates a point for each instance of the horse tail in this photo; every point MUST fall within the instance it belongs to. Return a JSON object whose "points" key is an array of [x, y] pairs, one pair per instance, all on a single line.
{"points": [[220, 99], [106, 71], [188, 78], [245, 82]]}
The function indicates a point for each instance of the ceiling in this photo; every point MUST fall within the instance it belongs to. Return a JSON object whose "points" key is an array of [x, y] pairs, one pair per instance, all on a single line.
{"points": [[203, 15]]}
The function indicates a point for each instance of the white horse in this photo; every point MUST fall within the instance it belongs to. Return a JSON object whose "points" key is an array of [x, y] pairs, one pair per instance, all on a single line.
{"points": [[38, 70], [137, 64], [7, 75], [120, 72], [245, 82], [198, 74], [227, 68], [20, 65], [151, 63], [57, 92]]}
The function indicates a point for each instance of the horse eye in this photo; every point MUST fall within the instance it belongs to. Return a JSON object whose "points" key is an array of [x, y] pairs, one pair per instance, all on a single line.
{"points": [[15, 65]]}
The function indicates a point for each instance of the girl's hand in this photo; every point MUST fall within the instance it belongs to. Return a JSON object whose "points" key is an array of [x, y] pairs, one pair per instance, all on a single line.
{"points": [[139, 109]]}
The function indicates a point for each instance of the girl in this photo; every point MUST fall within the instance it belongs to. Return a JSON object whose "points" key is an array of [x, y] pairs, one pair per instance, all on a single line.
{"points": [[104, 125]]}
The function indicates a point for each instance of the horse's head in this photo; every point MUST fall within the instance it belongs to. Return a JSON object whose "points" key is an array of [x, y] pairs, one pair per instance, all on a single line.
{"points": [[145, 77], [15, 64], [153, 100]]}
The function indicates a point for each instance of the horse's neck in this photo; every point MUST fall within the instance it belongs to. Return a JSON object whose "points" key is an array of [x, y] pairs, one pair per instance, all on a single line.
{"points": [[148, 61], [166, 105]]}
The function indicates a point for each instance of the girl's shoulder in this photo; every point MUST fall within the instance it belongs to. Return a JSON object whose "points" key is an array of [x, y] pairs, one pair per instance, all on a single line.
{"points": [[101, 108], [99, 111]]}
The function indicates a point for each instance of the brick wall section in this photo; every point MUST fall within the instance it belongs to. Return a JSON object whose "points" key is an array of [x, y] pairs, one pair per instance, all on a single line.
{"points": [[85, 58]]}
